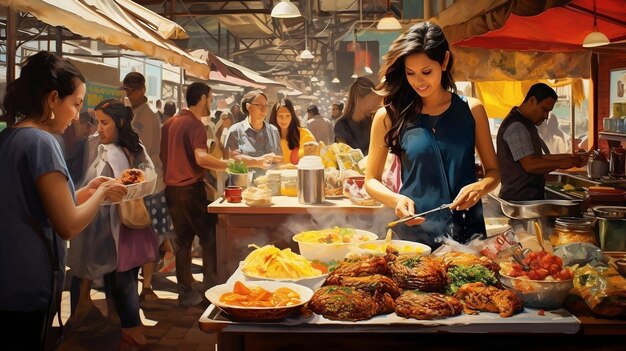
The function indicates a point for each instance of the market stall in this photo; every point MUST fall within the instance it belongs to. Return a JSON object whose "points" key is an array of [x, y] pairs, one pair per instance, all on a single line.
{"points": [[239, 225]]}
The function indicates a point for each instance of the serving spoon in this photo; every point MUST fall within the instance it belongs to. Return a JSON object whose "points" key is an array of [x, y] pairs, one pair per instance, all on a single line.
{"points": [[408, 218]]}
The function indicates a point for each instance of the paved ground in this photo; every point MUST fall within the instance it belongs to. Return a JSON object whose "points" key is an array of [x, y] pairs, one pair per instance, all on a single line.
{"points": [[167, 325]]}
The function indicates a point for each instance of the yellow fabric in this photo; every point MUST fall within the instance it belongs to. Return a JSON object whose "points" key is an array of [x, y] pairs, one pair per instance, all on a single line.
{"points": [[499, 97], [305, 137]]}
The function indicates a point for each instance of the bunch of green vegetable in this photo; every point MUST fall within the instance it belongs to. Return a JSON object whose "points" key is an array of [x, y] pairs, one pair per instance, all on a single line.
{"points": [[237, 166], [458, 276]]}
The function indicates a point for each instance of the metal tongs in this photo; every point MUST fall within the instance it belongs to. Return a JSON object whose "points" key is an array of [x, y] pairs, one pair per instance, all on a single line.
{"points": [[408, 218], [519, 255]]}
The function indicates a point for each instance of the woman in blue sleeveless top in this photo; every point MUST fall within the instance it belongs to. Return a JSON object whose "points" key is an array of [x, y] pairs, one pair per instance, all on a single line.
{"points": [[435, 133]]}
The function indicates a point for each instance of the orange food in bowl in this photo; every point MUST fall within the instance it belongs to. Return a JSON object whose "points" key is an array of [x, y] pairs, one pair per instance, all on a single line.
{"points": [[259, 297]]}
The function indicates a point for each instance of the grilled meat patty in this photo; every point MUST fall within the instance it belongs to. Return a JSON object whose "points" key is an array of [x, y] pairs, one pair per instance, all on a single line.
{"points": [[421, 305], [479, 297], [412, 271], [359, 266], [372, 283], [454, 258], [343, 303]]}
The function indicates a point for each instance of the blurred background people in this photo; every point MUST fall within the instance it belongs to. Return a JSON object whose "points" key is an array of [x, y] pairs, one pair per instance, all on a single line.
{"points": [[147, 124], [238, 115], [169, 110], [557, 141], [353, 127], [321, 127], [336, 110]]}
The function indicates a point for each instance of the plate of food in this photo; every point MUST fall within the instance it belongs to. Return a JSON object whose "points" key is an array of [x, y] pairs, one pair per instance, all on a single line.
{"points": [[259, 301], [271, 263], [139, 183]]}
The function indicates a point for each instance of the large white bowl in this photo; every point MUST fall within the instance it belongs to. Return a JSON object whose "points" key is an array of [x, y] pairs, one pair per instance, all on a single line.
{"points": [[313, 283], [378, 247], [259, 314], [325, 252]]}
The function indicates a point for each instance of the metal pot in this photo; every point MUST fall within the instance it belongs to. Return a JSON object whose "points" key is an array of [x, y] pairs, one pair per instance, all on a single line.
{"points": [[611, 227], [597, 166]]}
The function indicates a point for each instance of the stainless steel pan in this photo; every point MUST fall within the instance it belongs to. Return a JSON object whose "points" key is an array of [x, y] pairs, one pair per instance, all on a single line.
{"points": [[539, 208]]}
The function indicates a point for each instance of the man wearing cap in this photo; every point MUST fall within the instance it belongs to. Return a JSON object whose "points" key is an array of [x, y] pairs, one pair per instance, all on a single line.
{"points": [[148, 125]]}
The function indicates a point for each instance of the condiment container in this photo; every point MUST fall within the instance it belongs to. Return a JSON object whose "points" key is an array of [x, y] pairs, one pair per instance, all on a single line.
{"points": [[311, 180], [273, 182], [572, 230], [289, 184], [232, 193]]}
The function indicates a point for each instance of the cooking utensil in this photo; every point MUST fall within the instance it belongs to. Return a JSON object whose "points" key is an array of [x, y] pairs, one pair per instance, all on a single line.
{"points": [[408, 218], [539, 208], [518, 255]]}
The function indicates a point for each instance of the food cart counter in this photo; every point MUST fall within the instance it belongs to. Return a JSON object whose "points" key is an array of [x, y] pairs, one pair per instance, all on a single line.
{"points": [[239, 225], [569, 328]]}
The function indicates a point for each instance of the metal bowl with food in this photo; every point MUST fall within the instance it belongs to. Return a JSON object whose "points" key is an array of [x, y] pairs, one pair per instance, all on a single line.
{"points": [[332, 244], [545, 294], [264, 303]]}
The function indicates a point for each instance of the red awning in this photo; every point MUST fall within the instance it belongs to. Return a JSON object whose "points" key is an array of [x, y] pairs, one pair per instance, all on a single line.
{"points": [[557, 29]]}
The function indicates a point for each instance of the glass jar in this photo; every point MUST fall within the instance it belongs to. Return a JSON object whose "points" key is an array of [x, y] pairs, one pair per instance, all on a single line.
{"points": [[572, 230], [274, 183], [289, 185]]}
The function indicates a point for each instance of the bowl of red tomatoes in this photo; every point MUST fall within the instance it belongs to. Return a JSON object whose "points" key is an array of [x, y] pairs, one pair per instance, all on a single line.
{"points": [[544, 284]]}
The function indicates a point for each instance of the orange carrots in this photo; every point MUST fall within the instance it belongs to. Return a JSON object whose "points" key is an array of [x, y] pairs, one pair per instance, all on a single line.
{"points": [[245, 296]]}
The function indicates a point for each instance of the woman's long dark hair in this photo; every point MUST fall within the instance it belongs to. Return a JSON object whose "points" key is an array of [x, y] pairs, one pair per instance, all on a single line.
{"points": [[399, 97], [122, 116], [43, 73], [361, 88], [293, 133]]}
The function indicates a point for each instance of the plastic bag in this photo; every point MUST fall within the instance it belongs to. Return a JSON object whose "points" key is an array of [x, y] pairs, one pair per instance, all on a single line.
{"points": [[392, 177], [602, 288]]}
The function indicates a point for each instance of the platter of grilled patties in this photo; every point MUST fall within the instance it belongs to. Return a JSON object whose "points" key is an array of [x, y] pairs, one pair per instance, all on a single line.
{"points": [[417, 286], [398, 285]]}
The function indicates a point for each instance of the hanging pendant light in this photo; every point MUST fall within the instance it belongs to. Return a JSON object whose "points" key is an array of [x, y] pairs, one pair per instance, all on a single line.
{"points": [[595, 38], [306, 54], [389, 21], [285, 9]]}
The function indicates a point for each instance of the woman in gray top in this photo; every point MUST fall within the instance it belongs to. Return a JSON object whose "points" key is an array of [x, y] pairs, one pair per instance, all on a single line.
{"points": [[253, 140]]}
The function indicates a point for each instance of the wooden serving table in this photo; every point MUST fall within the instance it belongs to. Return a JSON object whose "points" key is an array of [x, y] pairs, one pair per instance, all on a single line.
{"points": [[531, 329], [239, 225]]}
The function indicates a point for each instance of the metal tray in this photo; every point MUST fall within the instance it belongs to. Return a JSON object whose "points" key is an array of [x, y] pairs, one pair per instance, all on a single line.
{"points": [[539, 208]]}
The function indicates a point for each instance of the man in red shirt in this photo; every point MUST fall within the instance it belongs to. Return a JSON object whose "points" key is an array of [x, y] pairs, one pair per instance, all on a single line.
{"points": [[185, 156]]}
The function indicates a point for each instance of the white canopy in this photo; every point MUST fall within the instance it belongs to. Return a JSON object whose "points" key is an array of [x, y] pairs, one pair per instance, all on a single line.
{"points": [[119, 23]]}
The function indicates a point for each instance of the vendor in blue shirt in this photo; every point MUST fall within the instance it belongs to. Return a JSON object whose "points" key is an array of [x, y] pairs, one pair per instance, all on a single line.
{"points": [[253, 139]]}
